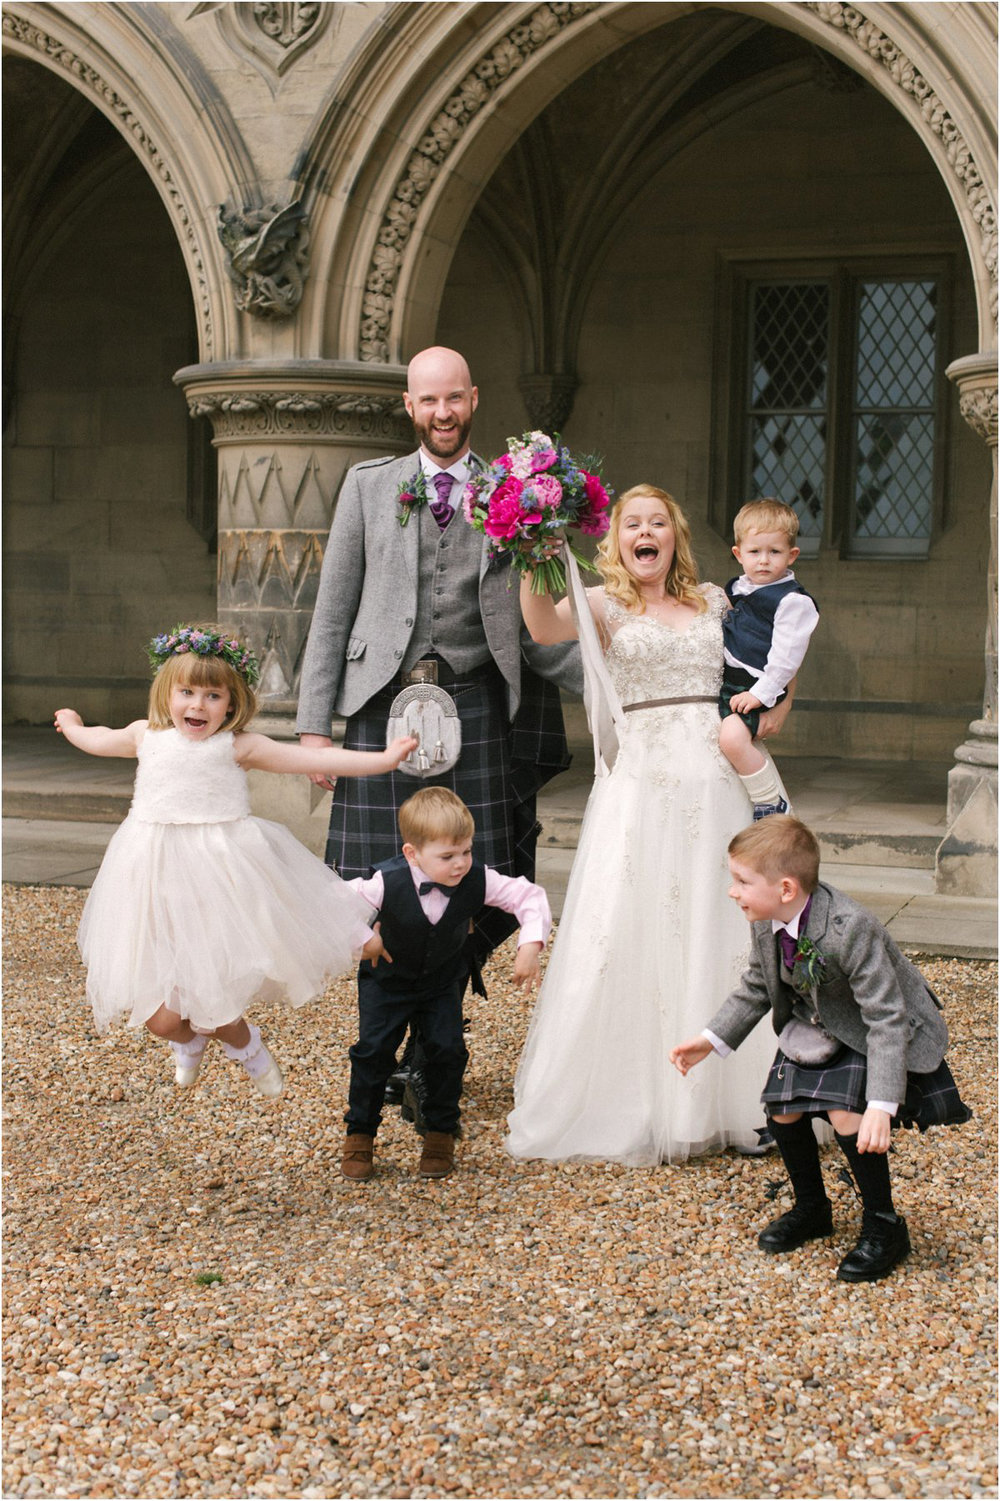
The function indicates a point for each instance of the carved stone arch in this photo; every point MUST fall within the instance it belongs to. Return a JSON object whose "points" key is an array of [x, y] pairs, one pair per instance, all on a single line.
{"points": [[163, 119], [400, 235]]}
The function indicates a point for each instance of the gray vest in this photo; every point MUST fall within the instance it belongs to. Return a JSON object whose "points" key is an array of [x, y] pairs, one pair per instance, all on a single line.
{"points": [[449, 620]]}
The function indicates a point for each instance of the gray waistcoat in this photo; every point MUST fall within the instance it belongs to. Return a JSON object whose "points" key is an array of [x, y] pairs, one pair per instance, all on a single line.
{"points": [[448, 621]]}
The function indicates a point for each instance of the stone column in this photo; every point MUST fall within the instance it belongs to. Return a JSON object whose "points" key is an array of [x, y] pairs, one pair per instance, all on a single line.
{"points": [[966, 861], [286, 433]]}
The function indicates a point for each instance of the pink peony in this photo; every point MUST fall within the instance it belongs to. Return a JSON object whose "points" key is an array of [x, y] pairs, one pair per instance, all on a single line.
{"points": [[597, 497], [546, 489], [506, 513]]}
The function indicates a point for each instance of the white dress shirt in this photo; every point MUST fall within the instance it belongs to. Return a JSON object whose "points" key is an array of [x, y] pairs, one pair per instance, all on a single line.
{"points": [[794, 622], [459, 472]]}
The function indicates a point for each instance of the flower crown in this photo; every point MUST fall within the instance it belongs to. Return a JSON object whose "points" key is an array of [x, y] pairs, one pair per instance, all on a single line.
{"points": [[204, 642]]}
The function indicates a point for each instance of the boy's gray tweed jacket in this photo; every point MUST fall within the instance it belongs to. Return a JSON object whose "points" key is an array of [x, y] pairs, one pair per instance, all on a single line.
{"points": [[869, 995]]}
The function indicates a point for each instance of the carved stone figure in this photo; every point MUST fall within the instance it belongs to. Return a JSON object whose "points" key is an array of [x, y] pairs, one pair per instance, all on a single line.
{"points": [[267, 250]]}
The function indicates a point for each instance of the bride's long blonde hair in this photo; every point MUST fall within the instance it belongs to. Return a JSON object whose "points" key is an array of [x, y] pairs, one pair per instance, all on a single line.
{"points": [[682, 579]]}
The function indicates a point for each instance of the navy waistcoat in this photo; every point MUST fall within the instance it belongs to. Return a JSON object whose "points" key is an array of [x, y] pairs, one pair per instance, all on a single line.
{"points": [[418, 946], [747, 628]]}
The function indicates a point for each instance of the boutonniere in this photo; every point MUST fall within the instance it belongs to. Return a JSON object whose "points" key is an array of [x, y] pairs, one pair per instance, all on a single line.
{"points": [[411, 495], [807, 966]]}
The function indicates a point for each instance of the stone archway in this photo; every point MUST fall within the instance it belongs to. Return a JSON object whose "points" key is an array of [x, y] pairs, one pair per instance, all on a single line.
{"points": [[151, 96], [103, 541], [418, 195]]}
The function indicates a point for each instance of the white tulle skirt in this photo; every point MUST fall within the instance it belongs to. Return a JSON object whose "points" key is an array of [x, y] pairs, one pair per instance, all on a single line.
{"points": [[648, 947], [207, 918]]}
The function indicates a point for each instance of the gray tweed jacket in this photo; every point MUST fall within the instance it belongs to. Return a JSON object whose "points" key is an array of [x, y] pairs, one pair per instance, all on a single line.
{"points": [[869, 995], [366, 606]]}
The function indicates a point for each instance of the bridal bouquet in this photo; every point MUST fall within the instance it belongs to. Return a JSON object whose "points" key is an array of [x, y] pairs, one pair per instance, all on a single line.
{"points": [[528, 497]]}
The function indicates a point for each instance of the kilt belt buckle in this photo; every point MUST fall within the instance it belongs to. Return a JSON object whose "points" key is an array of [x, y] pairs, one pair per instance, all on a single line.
{"points": [[428, 712], [424, 671]]}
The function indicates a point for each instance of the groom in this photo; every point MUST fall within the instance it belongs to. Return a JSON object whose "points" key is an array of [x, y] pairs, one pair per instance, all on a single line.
{"points": [[394, 598]]}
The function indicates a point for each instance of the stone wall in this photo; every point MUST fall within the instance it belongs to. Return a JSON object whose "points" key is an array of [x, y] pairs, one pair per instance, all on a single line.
{"points": [[99, 554]]}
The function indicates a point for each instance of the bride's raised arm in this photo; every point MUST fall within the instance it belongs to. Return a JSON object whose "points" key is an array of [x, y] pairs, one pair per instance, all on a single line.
{"points": [[550, 622]]}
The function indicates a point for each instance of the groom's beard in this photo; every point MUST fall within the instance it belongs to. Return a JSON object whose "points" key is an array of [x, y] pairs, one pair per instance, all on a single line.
{"points": [[446, 445]]}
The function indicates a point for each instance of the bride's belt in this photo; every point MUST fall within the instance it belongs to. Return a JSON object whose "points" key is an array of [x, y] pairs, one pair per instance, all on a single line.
{"points": [[662, 703]]}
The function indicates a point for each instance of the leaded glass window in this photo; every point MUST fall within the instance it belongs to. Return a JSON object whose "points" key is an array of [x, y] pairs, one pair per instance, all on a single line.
{"points": [[895, 365], [789, 363], [835, 385]]}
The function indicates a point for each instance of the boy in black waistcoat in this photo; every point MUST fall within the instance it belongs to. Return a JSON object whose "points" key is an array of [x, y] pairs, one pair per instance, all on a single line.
{"points": [[765, 635], [415, 967]]}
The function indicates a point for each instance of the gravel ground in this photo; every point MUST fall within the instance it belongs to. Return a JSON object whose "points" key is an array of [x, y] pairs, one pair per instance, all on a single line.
{"points": [[197, 1304]]}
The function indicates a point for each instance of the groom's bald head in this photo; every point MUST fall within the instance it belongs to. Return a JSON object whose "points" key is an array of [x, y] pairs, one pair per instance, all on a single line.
{"points": [[441, 399]]}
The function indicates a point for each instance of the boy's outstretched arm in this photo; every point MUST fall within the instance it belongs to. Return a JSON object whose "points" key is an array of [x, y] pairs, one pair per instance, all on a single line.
{"points": [[686, 1054], [527, 970]]}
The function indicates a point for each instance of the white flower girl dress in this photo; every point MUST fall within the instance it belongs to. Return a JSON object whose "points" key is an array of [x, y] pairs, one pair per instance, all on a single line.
{"points": [[204, 907]]}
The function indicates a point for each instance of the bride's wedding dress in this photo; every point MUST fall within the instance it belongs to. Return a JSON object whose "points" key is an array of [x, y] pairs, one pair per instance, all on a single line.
{"points": [[649, 943]]}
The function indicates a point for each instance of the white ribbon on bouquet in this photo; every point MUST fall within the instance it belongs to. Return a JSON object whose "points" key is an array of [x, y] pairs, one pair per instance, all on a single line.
{"points": [[605, 715]]}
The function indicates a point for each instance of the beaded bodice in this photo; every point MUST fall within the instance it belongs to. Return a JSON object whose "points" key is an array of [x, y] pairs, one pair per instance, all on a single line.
{"points": [[184, 781], [647, 659]]}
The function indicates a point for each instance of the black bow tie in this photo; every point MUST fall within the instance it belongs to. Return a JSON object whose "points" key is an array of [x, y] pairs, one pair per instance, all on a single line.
{"points": [[426, 886]]}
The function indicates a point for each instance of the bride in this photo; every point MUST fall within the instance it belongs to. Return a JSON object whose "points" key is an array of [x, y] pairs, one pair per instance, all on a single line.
{"points": [[649, 943]]}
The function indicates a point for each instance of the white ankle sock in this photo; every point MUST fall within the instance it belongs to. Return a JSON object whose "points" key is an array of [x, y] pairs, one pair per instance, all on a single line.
{"points": [[254, 1057], [190, 1051], [762, 786]]}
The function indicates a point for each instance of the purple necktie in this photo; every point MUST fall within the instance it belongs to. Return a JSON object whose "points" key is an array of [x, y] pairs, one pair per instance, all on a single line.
{"points": [[787, 943], [442, 508]]}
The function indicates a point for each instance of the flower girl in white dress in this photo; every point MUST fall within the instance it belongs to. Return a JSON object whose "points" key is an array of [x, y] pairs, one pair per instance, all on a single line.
{"points": [[199, 908], [648, 940]]}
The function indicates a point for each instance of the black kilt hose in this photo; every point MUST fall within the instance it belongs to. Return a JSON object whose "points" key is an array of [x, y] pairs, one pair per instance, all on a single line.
{"points": [[497, 776]]}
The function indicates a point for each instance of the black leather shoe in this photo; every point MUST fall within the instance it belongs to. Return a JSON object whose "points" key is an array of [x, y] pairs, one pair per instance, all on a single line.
{"points": [[395, 1085], [414, 1097], [803, 1222], [884, 1242], [415, 1103]]}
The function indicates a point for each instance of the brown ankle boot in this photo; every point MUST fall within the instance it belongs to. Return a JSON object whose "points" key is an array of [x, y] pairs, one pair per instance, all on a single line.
{"points": [[356, 1161], [437, 1159]]}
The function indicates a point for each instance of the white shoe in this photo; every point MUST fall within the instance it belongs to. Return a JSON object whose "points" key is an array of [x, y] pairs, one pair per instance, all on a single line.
{"points": [[187, 1066], [271, 1082]]}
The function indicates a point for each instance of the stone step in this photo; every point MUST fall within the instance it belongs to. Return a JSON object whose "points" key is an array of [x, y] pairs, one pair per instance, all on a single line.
{"points": [[907, 848], [560, 820], [69, 805]]}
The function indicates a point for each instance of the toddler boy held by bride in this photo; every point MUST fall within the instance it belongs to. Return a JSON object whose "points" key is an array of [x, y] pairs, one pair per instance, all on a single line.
{"points": [[765, 635]]}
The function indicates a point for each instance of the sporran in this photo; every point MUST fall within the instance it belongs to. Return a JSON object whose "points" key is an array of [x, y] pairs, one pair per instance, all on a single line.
{"points": [[427, 711]]}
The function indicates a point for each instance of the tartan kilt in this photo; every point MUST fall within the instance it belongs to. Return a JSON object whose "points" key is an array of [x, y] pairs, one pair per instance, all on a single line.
{"points": [[931, 1099], [363, 820]]}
